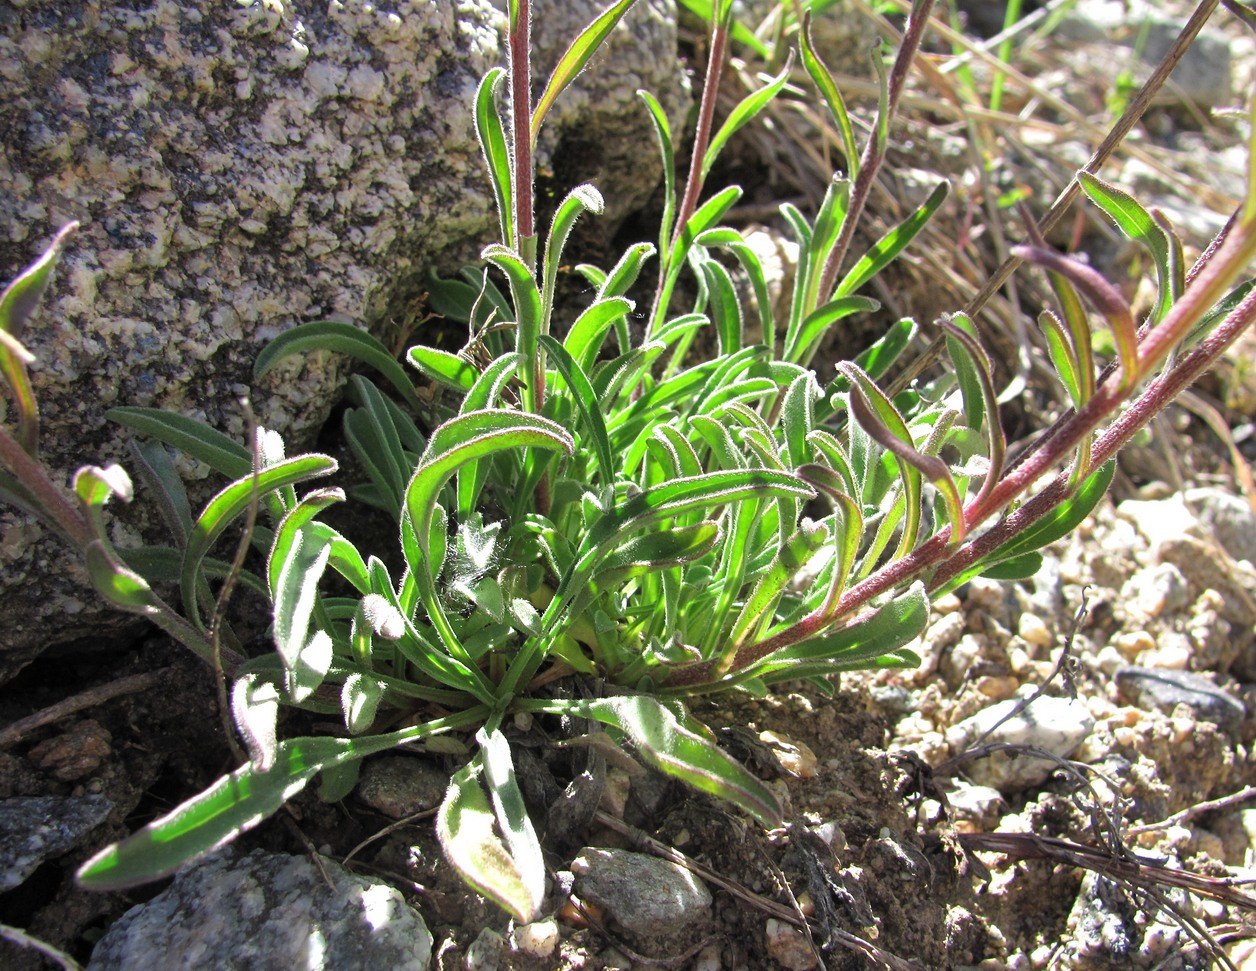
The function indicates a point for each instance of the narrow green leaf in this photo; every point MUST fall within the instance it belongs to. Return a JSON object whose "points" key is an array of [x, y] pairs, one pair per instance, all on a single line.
{"points": [[118, 584], [190, 436], [662, 128], [624, 273], [231, 503], [238, 802], [584, 340], [528, 313], [341, 338], [513, 821], [724, 307], [671, 746], [1103, 295], [575, 58], [287, 533], [487, 390], [848, 525], [156, 470], [704, 217], [749, 106], [23, 294], [583, 198], [1137, 224], [488, 127], [976, 372], [255, 711], [890, 628], [738, 31], [878, 358], [586, 404], [306, 653], [815, 325], [892, 243], [1065, 517], [798, 418], [1021, 567], [823, 80], [361, 697], [1058, 523], [465, 828], [794, 554], [1060, 351]]}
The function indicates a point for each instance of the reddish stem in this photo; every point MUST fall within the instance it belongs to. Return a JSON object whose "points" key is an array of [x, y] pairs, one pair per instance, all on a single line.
{"points": [[706, 120], [874, 151], [521, 128]]}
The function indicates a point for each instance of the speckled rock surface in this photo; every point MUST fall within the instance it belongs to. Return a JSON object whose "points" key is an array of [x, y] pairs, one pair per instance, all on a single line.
{"points": [[38, 828], [236, 170], [268, 910], [241, 169]]}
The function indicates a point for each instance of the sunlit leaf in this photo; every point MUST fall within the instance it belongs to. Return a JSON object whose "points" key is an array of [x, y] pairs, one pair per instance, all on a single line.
{"points": [[238, 802], [575, 58], [488, 127], [892, 243], [741, 115], [671, 746], [465, 826]]}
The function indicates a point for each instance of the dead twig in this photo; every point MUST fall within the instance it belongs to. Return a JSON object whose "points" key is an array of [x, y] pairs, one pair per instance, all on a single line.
{"points": [[132, 684], [390, 828], [1199, 809]]}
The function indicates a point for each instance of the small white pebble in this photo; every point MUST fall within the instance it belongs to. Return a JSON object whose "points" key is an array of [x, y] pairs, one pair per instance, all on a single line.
{"points": [[1132, 643], [537, 940], [1109, 660], [1035, 632], [1171, 657]]}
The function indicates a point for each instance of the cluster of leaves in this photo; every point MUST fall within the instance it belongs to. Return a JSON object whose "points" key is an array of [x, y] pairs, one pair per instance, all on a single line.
{"points": [[606, 506]]}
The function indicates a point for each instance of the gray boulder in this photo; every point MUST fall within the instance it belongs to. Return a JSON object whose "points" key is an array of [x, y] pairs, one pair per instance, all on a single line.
{"points": [[238, 169], [264, 911]]}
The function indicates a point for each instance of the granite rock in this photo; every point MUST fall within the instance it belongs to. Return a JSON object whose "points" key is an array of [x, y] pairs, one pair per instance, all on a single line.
{"points": [[268, 910], [38, 828], [648, 898]]}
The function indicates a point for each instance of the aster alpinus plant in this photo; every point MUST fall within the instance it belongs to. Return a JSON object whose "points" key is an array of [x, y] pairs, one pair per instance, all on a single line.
{"points": [[604, 507]]}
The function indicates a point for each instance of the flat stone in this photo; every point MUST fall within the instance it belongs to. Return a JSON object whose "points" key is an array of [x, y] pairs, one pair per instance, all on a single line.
{"points": [[266, 911], [1055, 725], [1231, 519], [1163, 690], [647, 897], [1160, 520], [400, 785], [38, 828]]}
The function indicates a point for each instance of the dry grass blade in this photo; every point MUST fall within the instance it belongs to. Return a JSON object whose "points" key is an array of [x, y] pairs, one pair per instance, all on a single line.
{"points": [[1029, 846], [1114, 138]]}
